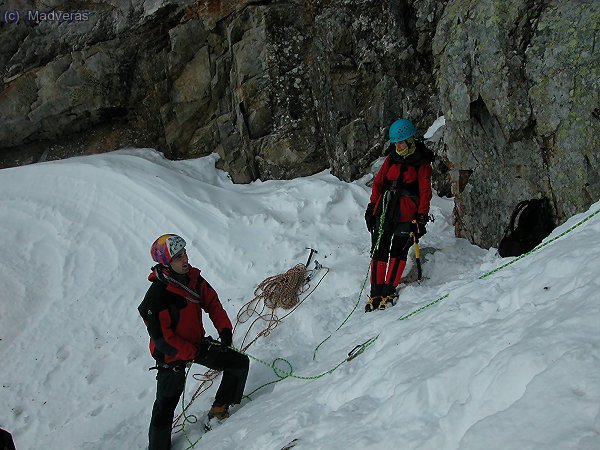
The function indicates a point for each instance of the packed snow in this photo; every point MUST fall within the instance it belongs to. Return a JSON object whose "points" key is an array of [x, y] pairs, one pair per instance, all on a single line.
{"points": [[506, 359]]}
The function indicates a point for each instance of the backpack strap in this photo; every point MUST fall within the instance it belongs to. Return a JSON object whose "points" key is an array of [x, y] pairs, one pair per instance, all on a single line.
{"points": [[520, 206], [398, 188]]}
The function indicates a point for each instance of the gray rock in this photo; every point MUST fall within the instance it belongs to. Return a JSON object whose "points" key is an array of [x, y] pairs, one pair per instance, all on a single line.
{"points": [[518, 86], [285, 89]]}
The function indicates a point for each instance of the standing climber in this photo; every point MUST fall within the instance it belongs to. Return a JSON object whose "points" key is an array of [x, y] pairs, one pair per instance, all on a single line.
{"points": [[399, 205], [172, 312]]}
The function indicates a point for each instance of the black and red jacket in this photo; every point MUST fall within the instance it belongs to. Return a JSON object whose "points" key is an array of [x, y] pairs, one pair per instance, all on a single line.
{"points": [[412, 176], [172, 312]]}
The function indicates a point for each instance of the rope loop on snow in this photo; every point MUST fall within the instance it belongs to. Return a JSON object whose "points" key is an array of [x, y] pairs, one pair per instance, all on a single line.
{"points": [[292, 284], [282, 374]]}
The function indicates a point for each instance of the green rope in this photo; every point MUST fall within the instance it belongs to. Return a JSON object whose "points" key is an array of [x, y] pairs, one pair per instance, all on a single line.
{"points": [[187, 418], [283, 374], [347, 317], [406, 316], [503, 266], [386, 198], [535, 249], [280, 373]]}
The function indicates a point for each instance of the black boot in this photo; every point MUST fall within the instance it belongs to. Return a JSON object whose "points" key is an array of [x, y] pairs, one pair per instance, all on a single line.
{"points": [[374, 298], [373, 303]]}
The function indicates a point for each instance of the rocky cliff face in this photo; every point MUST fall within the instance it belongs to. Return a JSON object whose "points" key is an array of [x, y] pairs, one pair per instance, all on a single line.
{"points": [[287, 88], [519, 83]]}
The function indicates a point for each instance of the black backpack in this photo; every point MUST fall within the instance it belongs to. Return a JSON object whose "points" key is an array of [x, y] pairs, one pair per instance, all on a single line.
{"points": [[530, 223]]}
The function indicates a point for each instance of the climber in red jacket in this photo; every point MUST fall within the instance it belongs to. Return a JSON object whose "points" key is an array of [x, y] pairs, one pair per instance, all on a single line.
{"points": [[172, 312], [399, 205]]}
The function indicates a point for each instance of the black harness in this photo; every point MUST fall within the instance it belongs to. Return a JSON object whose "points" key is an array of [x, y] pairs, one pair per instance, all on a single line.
{"points": [[398, 189]]}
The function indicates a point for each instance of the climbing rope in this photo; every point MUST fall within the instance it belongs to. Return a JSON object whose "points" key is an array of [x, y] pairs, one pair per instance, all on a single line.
{"points": [[386, 198], [347, 317], [283, 374], [503, 266], [191, 418], [279, 291], [540, 246], [485, 275], [282, 291]]}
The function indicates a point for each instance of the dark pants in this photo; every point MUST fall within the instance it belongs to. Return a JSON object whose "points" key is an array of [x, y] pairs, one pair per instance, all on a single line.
{"points": [[235, 371], [389, 260], [170, 385]]}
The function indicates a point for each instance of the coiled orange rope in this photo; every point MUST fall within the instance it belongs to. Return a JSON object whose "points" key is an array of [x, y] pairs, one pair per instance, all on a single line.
{"points": [[278, 291]]}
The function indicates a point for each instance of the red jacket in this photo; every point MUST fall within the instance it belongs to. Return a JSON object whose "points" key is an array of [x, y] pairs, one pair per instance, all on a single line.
{"points": [[414, 178], [172, 312]]}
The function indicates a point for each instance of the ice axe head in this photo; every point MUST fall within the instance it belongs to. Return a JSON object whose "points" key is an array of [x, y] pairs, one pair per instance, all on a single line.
{"points": [[312, 251]]}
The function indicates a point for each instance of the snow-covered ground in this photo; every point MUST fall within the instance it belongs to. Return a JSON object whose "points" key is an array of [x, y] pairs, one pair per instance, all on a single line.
{"points": [[507, 361]]}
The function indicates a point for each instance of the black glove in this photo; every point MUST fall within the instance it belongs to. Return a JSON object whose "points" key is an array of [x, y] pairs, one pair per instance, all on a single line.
{"points": [[419, 227], [200, 352], [370, 217], [422, 219], [226, 338]]}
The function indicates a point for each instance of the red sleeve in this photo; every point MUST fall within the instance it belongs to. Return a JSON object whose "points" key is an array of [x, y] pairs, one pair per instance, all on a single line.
{"points": [[213, 307], [186, 351], [377, 188], [425, 194]]}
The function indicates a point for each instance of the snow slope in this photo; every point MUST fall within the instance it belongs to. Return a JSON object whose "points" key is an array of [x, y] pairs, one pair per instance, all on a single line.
{"points": [[509, 361]]}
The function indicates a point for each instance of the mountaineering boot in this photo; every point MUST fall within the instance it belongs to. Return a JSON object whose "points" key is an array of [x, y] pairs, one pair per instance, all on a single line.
{"points": [[219, 411], [373, 303], [388, 297], [387, 302], [374, 298], [216, 415]]}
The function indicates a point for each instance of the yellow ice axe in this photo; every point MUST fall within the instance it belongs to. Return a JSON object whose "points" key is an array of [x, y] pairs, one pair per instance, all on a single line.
{"points": [[417, 253]]}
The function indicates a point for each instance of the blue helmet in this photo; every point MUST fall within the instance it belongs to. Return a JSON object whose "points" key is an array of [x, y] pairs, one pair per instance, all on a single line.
{"points": [[401, 130]]}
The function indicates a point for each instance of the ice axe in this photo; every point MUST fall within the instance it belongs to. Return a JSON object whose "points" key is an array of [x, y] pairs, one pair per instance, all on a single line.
{"points": [[312, 251], [317, 265], [417, 252]]}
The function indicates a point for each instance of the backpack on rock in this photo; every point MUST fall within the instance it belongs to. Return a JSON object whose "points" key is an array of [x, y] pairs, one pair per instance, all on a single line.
{"points": [[530, 223]]}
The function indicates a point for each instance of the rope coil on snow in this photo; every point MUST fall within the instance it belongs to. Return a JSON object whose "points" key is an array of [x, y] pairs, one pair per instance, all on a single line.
{"points": [[283, 291], [278, 291]]}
